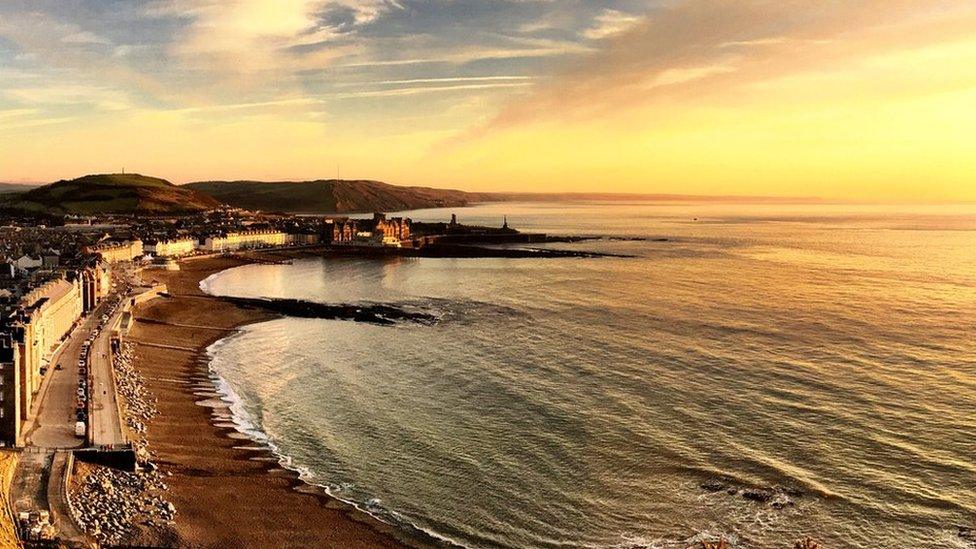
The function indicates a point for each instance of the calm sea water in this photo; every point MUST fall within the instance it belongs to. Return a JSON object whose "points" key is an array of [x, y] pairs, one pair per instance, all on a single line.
{"points": [[827, 351]]}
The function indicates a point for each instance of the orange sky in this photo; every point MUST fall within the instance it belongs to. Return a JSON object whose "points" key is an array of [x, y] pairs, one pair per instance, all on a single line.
{"points": [[855, 100]]}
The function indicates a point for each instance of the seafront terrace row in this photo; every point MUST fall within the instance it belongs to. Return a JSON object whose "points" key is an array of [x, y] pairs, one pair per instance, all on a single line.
{"points": [[28, 335], [117, 252], [256, 239], [173, 248]]}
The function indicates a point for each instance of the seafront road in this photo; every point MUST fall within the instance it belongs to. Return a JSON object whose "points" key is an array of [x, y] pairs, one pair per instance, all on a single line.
{"points": [[106, 428], [52, 418], [52, 423]]}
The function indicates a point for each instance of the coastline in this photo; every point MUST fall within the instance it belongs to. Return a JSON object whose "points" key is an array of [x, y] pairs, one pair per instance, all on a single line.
{"points": [[227, 489]]}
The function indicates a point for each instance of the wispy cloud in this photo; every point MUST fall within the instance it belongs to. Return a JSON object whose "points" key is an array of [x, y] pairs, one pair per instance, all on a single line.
{"points": [[635, 83], [418, 90], [85, 37], [437, 80], [702, 47], [189, 53], [609, 23], [9, 114]]}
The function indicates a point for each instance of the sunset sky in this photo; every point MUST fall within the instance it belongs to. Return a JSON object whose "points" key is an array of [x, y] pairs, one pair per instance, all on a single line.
{"points": [[841, 99]]}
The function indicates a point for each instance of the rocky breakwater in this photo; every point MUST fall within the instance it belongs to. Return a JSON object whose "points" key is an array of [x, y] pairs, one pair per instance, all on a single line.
{"points": [[369, 313], [119, 507]]}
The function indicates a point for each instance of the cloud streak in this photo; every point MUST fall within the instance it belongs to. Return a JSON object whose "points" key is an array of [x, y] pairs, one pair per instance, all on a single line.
{"points": [[655, 92], [696, 48]]}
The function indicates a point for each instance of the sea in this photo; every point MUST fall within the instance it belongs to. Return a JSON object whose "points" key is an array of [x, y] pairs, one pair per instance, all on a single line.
{"points": [[754, 373]]}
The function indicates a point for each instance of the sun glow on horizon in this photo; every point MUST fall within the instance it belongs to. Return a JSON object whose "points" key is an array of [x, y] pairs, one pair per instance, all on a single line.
{"points": [[867, 100]]}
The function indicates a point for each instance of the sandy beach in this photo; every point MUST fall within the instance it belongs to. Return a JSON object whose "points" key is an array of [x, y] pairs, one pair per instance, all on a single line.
{"points": [[228, 491]]}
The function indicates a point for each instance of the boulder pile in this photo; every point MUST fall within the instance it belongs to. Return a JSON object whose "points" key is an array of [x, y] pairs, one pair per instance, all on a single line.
{"points": [[139, 405], [111, 502]]}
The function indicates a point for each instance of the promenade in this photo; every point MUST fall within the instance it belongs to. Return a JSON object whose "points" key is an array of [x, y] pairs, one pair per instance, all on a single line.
{"points": [[106, 423]]}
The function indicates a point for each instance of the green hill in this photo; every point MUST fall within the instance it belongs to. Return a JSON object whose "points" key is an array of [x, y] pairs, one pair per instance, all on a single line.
{"points": [[15, 187], [332, 196], [110, 193]]}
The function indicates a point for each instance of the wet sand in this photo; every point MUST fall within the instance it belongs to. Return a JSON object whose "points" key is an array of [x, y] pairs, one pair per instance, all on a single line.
{"points": [[228, 491]]}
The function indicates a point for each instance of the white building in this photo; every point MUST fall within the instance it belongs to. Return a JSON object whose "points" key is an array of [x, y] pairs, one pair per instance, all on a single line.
{"points": [[117, 251], [173, 248], [245, 240], [28, 263]]}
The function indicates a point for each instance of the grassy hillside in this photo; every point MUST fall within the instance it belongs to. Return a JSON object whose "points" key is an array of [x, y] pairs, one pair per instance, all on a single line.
{"points": [[332, 196], [110, 193], [15, 187]]}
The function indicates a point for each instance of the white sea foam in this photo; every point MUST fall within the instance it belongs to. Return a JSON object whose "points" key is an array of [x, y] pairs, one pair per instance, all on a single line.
{"points": [[245, 423], [206, 283]]}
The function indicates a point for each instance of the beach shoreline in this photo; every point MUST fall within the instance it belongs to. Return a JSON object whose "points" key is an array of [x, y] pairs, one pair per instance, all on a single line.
{"points": [[228, 490]]}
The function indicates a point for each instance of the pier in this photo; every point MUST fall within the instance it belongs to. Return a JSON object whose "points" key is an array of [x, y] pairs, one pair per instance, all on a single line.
{"points": [[105, 417]]}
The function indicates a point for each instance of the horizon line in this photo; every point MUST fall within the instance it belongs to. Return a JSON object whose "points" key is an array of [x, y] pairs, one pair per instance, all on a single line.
{"points": [[578, 195]]}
